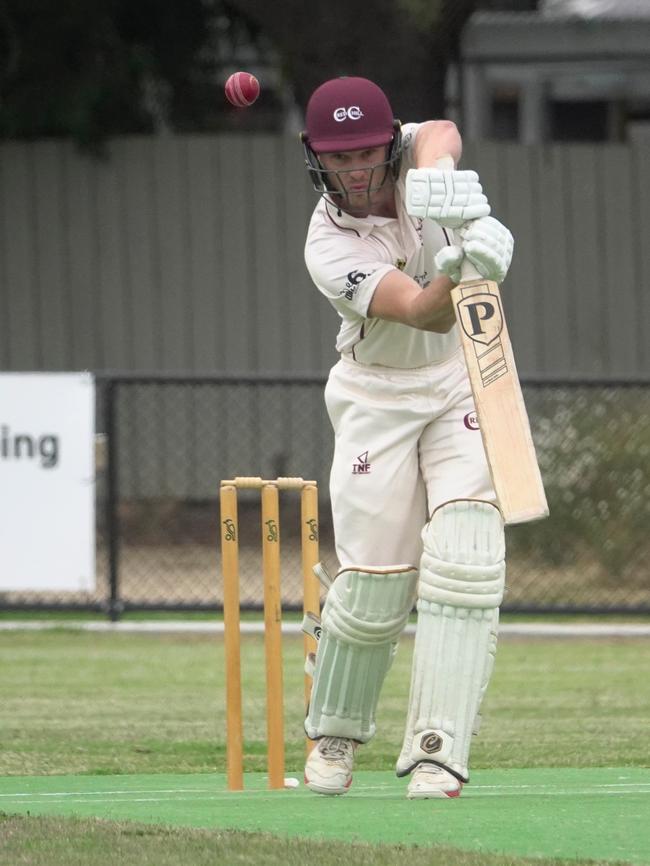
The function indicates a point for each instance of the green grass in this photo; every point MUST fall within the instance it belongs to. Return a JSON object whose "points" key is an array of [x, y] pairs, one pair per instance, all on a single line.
{"points": [[77, 702], [48, 841]]}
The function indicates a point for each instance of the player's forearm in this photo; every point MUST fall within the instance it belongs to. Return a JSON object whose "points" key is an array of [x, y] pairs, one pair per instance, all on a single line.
{"points": [[436, 139], [398, 298], [432, 308]]}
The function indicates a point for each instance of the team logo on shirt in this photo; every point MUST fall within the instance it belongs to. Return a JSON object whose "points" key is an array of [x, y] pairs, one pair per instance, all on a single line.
{"points": [[361, 466], [355, 278], [471, 421], [400, 264]]}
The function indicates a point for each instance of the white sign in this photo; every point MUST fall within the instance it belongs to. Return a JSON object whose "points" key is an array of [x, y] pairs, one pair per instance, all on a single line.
{"points": [[47, 481]]}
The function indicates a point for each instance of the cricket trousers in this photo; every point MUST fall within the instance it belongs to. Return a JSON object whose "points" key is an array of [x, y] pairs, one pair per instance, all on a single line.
{"points": [[406, 441]]}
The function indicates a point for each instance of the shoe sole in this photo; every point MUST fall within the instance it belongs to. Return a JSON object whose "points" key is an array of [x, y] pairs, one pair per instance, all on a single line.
{"points": [[433, 795], [331, 792]]}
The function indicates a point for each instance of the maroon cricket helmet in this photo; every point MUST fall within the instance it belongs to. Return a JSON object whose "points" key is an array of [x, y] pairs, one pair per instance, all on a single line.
{"points": [[348, 114]]}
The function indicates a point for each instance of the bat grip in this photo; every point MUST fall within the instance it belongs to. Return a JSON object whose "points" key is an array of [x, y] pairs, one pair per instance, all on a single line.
{"points": [[468, 272]]}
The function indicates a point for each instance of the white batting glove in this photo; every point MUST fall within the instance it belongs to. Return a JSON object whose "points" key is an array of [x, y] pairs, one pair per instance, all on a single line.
{"points": [[489, 245], [448, 261], [449, 197]]}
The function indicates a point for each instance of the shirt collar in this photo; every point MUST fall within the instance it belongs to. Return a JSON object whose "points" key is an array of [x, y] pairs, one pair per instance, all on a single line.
{"points": [[362, 225]]}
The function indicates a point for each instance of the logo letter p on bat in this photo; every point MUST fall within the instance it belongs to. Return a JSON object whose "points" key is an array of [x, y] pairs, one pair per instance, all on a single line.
{"points": [[481, 318], [472, 309]]}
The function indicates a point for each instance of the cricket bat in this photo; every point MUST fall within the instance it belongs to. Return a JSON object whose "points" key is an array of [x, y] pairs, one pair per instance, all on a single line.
{"points": [[500, 407]]}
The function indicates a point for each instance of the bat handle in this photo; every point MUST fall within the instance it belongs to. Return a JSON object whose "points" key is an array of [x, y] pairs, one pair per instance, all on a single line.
{"points": [[468, 272]]}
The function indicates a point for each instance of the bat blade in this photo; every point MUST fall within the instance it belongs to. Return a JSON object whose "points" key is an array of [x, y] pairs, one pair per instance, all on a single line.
{"points": [[500, 407]]}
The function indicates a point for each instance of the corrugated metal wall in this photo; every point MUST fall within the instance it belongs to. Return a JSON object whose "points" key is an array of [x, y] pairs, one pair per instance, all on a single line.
{"points": [[185, 253], [577, 295], [180, 253]]}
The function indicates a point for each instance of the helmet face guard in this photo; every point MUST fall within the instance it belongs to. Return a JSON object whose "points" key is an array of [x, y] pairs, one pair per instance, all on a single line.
{"points": [[345, 115], [321, 177]]}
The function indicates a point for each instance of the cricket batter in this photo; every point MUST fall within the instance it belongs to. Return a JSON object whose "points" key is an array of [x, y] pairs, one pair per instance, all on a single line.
{"points": [[413, 506]]}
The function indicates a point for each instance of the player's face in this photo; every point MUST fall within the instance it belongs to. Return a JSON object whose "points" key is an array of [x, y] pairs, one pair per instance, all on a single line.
{"points": [[360, 175]]}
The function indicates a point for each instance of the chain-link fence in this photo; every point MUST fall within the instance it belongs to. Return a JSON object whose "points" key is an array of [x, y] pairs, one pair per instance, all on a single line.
{"points": [[169, 442]]}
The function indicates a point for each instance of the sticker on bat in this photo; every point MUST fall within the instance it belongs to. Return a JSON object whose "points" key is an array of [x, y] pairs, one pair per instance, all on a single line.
{"points": [[481, 317]]}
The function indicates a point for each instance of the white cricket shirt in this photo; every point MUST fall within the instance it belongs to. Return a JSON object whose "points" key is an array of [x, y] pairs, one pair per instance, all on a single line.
{"points": [[347, 257]]}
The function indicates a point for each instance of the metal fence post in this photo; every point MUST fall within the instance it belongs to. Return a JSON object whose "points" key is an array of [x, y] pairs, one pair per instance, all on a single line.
{"points": [[114, 605]]}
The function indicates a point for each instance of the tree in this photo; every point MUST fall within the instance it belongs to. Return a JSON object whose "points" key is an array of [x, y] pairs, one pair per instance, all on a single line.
{"points": [[405, 45], [93, 68]]}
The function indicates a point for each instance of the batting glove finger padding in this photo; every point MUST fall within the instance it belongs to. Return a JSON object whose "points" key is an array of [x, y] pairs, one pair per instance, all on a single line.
{"points": [[448, 261], [488, 245], [448, 197]]}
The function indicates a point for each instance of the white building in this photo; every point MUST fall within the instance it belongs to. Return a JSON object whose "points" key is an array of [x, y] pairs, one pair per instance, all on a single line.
{"points": [[574, 70]]}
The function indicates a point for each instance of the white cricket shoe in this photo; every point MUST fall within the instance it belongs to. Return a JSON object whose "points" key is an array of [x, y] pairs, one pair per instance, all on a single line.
{"points": [[329, 766], [431, 781]]}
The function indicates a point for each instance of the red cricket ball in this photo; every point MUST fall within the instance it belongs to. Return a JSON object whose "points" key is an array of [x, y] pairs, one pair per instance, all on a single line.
{"points": [[242, 89]]}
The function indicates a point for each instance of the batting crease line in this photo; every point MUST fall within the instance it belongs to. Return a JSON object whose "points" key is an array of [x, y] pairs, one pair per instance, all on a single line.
{"points": [[92, 793], [280, 793]]}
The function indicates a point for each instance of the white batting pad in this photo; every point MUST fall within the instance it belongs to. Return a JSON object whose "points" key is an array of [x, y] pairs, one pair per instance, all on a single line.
{"points": [[462, 577], [363, 617]]}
